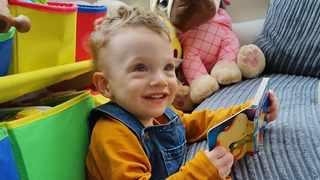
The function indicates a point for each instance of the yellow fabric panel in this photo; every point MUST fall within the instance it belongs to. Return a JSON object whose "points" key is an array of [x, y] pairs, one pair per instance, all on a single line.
{"points": [[51, 40], [16, 85], [99, 99]]}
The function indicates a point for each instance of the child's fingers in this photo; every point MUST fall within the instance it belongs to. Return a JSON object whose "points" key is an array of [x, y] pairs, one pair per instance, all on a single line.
{"points": [[222, 159], [225, 165], [225, 161], [217, 155], [273, 109], [224, 172], [218, 152], [272, 116], [272, 97]]}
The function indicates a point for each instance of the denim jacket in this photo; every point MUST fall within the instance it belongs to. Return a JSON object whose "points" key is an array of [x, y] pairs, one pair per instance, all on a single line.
{"points": [[165, 144]]}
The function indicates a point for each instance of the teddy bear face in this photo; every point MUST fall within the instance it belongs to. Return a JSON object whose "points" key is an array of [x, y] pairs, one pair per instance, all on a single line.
{"points": [[187, 14]]}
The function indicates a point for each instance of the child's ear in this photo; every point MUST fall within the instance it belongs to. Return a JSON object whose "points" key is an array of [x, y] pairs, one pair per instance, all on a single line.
{"points": [[101, 84]]}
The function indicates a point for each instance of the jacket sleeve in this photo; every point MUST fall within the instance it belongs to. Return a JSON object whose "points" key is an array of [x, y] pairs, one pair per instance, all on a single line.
{"points": [[119, 156], [124, 158]]}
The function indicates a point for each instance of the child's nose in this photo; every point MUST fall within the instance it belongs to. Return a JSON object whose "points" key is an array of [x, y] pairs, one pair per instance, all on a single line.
{"points": [[159, 79]]}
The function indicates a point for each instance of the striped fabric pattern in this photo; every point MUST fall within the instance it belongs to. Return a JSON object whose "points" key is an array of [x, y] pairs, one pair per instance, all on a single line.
{"points": [[290, 38], [291, 147]]}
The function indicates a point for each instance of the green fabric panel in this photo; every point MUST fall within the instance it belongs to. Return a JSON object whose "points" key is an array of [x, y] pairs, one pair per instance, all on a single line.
{"points": [[8, 35], [55, 147]]}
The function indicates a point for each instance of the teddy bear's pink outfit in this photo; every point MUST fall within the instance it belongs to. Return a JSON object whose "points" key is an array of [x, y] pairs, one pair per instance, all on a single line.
{"points": [[207, 44]]}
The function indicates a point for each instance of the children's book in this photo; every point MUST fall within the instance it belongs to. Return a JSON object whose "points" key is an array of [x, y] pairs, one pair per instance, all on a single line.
{"points": [[242, 133]]}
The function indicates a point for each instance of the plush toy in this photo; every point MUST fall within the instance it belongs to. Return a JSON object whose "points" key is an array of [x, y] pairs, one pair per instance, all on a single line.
{"points": [[21, 23], [211, 50]]}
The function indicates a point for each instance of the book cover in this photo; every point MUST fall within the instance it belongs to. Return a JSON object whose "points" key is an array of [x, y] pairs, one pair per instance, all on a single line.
{"points": [[242, 133]]}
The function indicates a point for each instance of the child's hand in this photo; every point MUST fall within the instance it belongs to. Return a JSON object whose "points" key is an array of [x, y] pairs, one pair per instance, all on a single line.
{"points": [[273, 109], [222, 159]]}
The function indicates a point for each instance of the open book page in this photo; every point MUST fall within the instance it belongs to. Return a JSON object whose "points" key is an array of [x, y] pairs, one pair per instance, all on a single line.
{"points": [[241, 133]]}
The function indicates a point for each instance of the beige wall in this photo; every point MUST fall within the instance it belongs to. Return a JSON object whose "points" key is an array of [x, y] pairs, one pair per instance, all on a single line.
{"points": [[242, 10], [140, 3]]}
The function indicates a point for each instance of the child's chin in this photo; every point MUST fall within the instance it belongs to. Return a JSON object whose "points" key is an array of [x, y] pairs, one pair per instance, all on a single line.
{"points": [[157, 112]]}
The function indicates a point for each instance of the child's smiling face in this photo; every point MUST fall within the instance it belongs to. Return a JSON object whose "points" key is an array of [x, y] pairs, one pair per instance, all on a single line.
{"points": [[139, 71]]}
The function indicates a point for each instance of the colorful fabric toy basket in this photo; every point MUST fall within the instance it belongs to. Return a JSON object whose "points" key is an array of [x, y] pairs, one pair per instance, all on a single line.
{"points": [[52, 38], [6, 40], [48, 145], [87, 14]]}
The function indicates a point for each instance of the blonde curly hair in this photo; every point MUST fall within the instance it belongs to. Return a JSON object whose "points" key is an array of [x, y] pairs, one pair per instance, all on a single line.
{"points": [[125, 17]]}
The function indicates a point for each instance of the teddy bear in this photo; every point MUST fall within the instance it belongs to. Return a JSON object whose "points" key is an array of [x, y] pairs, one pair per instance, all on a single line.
{"points": [[212, 55], [21, 23]]}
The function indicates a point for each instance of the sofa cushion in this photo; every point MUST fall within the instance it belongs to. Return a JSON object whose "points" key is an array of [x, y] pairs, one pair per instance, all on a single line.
{"points": [[291, 90], [291, 147], [291, 37]]}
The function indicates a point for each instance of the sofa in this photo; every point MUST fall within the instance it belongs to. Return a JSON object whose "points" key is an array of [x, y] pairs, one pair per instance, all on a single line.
{"points": [[287, 32]]}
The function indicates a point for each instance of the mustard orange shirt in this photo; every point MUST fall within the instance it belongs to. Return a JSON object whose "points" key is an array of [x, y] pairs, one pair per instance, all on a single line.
{"points": [[116, 153]]}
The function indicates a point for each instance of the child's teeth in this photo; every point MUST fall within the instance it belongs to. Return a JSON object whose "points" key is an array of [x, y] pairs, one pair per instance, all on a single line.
{"points": [[157, 96]]}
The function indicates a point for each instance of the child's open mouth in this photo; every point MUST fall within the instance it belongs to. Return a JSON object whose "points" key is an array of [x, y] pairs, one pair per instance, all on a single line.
{"points": [[156, 96]]}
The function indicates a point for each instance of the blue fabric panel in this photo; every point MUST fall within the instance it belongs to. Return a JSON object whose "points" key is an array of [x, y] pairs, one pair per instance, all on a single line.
{"points": [[290, 38], [6, 56], [8, 169]]}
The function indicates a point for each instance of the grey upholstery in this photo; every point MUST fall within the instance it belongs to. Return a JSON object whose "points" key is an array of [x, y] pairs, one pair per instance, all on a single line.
{"points": [[291, 147]]}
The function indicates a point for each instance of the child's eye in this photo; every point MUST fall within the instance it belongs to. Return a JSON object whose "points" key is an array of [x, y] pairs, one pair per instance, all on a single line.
{"points": [[140, 68], [169, 67]]}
